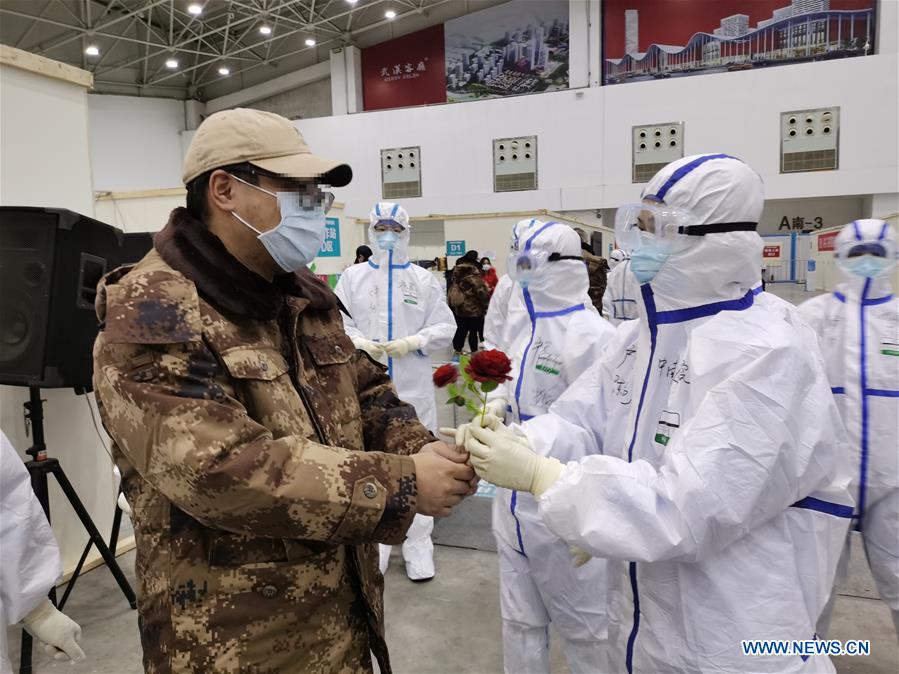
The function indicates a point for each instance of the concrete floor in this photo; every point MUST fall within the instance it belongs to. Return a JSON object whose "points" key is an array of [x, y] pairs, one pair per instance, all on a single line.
{"points": [[451, 624]]}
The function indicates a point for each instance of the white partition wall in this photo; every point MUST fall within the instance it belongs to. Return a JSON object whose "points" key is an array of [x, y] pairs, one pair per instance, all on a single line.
{"points": [[46, 162]]}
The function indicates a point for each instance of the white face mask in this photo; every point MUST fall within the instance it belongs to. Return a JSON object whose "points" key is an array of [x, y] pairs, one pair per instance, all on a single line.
{"points": [[486, 267], [296, 240]]}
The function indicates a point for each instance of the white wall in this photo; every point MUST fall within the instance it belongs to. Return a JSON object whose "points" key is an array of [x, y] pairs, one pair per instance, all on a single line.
{"points": [[46, 162], [135, 142], [584, 146]]}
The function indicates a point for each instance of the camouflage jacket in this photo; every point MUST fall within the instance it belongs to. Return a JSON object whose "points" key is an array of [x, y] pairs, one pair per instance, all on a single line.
{"points": [[474, 291], [597, 271], [263, 457]]}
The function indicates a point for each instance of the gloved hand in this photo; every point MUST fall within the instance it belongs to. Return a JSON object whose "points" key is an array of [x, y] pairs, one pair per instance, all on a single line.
{"points": [[579, 556], [506, 459], [373, 349], [496, 408], [398, 348], [55, 629], [462, 433]]}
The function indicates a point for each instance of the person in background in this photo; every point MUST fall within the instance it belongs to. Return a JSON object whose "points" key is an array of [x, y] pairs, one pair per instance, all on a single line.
{"points": [[488, 272], [363, 252], [619, 302], [29, 565], [556, 338], [505, 304], [714, 477], [397, 313], [858, 331], [468, 298], [597, 270]]}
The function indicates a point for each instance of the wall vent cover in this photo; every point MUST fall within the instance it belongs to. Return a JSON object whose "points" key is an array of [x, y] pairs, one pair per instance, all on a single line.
{"points": [[810, 140], [401, 173], [515, 164], [654, 146]]}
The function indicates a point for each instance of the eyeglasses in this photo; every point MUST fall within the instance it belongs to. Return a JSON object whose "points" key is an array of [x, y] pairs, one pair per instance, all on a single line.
{"points": [[313, 197]]}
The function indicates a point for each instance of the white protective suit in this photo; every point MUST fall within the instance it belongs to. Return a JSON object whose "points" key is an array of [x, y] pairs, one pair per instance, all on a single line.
{"points": [[29, 556], [858, 331], [559, 336], [390, 298], [506, 306], [721, 497], [619, 301]]}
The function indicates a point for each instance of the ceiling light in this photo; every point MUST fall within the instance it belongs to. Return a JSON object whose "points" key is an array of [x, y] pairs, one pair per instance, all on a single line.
{"points": [[171, 64], [265, 29], [390, 14], [195, 8], [352, 2], [92, 50], [224, 70], [310, 42]]}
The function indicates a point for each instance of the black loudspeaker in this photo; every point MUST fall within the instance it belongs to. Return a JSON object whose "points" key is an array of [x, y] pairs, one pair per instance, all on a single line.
{"points": [[50, 263], [134, 248], [596, 244]]}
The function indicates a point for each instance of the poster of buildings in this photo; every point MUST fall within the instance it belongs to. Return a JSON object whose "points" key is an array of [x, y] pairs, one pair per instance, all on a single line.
{"points": [[518, 47], [659, 39]]}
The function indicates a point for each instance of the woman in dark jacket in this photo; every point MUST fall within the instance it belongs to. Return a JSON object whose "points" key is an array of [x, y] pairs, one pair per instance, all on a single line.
{"points": [[468, 298]]}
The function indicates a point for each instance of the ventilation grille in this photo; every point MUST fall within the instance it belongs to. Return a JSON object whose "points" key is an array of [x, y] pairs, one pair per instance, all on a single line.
{"points": [[818, 160], [401, 173], [402, 190], [643, 173], [515, 182], [655, 146], [809, 140], [515, 164]]}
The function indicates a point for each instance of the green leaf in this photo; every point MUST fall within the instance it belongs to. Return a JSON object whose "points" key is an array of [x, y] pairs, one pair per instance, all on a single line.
{"points": [[489, 386], [462, 402], [473, 387], [453, 389], [473, 408]]}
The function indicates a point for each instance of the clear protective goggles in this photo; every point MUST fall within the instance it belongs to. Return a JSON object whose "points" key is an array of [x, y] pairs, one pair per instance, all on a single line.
{"points": [[388, 226], [850, 249], [669, 228], [307, 197], [526, 264], [635, 224]]}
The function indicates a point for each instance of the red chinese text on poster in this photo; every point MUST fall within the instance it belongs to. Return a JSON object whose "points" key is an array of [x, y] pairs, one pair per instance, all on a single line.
{"points": [[771, 251], [827, 242], [406, 71]]}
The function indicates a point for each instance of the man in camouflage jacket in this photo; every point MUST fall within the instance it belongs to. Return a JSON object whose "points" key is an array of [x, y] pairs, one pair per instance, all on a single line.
{"points": [[263, 456]]}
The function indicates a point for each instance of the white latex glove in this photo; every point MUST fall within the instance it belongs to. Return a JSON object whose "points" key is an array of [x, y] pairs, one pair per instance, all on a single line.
{"points": [[578, 556], [398, 348], [506, 459], [123, 504], [373, 349], [462, 434], [497, 408], [55, 629]]}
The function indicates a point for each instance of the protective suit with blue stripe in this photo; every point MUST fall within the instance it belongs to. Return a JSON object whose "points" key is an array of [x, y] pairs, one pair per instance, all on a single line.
{"points": [[398, 314], [506, 310], [858, 331], [702, 454], [557, 336]]}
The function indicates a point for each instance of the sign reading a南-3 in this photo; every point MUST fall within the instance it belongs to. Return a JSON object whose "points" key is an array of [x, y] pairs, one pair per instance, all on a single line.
{"points": [[331, 244]]}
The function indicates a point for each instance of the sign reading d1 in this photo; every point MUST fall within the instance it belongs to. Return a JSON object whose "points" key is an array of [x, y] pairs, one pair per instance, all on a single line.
{"points": [[331, 244], [455, 248]]}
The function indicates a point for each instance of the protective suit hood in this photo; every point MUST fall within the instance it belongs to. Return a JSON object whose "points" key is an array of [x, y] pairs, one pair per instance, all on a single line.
{"points": [[715, 188], [562, 283], [866, 231], [392, 212]]}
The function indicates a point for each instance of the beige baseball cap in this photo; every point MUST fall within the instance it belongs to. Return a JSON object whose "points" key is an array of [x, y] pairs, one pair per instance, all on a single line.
{"points": [[263, 139]]}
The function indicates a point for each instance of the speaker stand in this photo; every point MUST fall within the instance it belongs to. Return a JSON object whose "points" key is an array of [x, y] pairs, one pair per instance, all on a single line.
{"points": [[39, 468]]}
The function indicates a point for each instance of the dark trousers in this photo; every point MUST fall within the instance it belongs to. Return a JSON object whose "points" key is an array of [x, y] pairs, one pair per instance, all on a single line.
{"points": [[473, 326]]}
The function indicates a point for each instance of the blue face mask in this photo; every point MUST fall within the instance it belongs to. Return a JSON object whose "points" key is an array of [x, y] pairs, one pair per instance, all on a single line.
{"points": [[646, 261], [867, 266], [296, 240], [386, 240]]}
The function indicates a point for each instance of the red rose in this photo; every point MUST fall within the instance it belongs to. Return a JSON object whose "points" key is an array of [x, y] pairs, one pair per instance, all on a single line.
{"points": [[489, 366], [445, 374]]}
